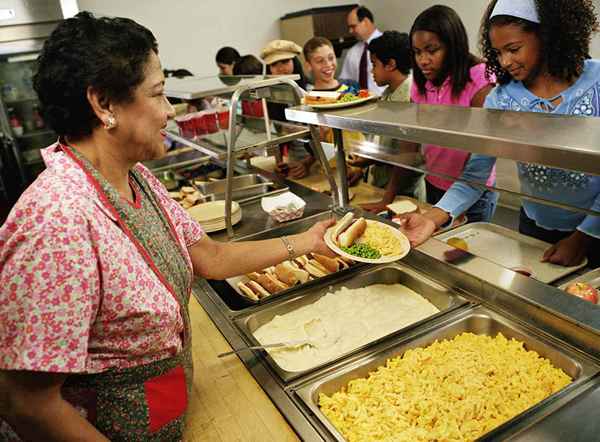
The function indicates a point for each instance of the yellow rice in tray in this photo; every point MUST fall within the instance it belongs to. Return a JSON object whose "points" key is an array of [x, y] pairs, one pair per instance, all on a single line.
{"points": [[454, 390]]}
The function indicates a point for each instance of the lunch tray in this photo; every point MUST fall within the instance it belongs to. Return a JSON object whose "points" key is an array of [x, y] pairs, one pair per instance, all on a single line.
{"points": [[509, 249]]}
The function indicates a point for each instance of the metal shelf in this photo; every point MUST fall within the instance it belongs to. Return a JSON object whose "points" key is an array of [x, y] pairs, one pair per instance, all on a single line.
{"points": [[567, 142]]}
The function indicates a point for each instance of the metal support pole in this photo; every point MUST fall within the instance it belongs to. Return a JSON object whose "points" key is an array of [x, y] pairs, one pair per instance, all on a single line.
{"points": [[318, 150], [340, 157]]}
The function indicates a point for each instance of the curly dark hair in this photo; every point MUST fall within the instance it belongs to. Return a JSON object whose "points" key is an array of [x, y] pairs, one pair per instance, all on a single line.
{"points": [[565, 31], [393, 45], [447, 25], [107, 54]]}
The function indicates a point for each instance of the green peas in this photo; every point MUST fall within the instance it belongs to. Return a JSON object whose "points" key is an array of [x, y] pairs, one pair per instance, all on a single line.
{"points": [[362, 250]]}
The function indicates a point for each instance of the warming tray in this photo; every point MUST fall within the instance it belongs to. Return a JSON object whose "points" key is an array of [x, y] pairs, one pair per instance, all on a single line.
{"points": [[509, 249], [244, 187], [236, 301], [478, 320], [438, 295]]}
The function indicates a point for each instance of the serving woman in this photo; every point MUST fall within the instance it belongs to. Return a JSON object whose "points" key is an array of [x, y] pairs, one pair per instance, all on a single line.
{"points": [[97, 262]]}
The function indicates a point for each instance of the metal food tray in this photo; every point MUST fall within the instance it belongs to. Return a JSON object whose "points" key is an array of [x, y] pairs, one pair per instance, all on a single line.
{"points": [[227, 290], [478, 320], [244, 187], [592, 278], [438, 295], [509, 249]]}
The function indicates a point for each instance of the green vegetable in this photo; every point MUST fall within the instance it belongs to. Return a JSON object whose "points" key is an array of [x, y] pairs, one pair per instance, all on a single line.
{"points": [[348, 97], [362, 250]]}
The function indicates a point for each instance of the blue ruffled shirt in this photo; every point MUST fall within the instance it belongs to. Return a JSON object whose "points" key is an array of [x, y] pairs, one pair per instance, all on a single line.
{"points": [[565, 186]]}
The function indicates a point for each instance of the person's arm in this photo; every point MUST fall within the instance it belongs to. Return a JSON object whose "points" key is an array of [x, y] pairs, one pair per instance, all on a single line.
{"points": [[572, 250], [220, 260], [300, 169], [396, 175], [31, 403], [478, 99]]}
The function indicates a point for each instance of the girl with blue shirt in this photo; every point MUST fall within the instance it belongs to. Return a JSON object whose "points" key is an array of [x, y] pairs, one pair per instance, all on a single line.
{"points": [[538, 51]]}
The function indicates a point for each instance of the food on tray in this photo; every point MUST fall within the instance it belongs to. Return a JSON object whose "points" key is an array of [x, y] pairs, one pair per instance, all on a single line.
{"points": [[342, 321], [366, 239], [458, 243], [456, 389], [402, 207], [342, 95], [288, 274], [187, 197], [583, 290], [317, 97]]}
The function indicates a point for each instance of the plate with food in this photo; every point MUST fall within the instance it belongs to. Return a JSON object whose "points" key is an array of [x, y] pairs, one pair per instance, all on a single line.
{"points": [[336, 100], [368, 241]]}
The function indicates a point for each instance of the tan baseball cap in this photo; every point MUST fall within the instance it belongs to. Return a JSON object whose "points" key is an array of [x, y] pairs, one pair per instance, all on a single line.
{"points": [[278, 50]]}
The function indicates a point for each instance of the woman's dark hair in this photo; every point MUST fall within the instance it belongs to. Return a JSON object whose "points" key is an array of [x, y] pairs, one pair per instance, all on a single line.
{"points": [[227, 55], [313, 44], [297, 70], [565, 31], [393, 45], [248, 65], [107, 54], [447, 25]]}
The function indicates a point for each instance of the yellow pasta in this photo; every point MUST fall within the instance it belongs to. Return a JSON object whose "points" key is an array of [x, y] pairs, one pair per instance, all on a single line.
{"points": [[453, 390], [382, 239]]}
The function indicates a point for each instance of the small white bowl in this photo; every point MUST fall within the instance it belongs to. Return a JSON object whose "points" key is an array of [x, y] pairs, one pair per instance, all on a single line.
{"points": [[284, 207]]}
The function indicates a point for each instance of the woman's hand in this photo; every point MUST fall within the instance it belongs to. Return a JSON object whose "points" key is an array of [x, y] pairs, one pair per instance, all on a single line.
{"points": [[356, 161], [418, 228], [569, 251], [316, 234]]}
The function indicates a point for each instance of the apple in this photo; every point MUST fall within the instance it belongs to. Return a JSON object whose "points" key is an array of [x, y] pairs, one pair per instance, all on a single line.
{"points": [[583, 291]]}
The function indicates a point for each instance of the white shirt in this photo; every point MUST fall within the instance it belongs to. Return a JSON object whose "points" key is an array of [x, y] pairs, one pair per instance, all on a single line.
{"points": [[350, 68]]}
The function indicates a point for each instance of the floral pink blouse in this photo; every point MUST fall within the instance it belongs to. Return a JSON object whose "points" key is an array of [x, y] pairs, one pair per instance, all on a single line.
{"points": [[77, 296]]}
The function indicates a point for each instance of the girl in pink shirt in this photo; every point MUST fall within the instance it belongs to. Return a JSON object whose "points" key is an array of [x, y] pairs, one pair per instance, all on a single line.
{"points": [[446, 73]]}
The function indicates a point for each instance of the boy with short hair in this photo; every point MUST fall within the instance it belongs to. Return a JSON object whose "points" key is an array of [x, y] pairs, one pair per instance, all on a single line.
{"points": [[391, 59]]}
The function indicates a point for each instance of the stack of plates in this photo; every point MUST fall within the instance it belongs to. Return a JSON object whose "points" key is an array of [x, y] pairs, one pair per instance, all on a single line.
{"points": [[211, 216]]}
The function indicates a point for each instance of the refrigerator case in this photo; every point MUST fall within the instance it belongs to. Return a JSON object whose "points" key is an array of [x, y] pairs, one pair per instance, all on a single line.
{"points": [[24, 26]]}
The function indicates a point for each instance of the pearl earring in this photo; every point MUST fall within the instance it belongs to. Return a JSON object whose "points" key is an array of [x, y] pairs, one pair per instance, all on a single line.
{"points": [[110, 123]]}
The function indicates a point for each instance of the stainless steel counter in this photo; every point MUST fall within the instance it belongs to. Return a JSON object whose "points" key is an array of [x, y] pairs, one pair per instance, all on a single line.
{"points": [[571, 324]]}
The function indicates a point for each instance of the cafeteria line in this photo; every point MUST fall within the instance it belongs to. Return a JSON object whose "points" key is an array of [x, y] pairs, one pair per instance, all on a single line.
{"points": [[379, 222]]}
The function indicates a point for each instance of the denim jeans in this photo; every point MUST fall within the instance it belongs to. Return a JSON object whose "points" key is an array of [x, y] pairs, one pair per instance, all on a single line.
{"points": [[482, 210]]}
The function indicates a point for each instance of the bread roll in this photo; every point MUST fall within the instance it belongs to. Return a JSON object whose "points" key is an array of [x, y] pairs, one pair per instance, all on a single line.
{"points": [[352, 233], [258, 289], [247, 291], [314, 270], [186, 190], [290, 274], [331, 264], [301, 260], [253, 276], [271, 283], [341, 225]]}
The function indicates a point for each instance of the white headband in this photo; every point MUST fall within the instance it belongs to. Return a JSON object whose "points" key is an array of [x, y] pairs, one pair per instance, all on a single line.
{"points": [[524, 9]]}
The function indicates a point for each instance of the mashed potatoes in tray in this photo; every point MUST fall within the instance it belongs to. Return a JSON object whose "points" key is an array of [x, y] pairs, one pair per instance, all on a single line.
{"points": [[382, 239], [453, 390]]}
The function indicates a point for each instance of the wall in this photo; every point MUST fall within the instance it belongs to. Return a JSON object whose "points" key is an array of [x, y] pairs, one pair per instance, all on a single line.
{"points": [[190, 32]]}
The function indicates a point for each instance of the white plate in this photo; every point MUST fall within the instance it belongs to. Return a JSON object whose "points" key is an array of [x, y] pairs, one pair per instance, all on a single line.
{"points": [[384, 259], [343, 103], [212, 211]]}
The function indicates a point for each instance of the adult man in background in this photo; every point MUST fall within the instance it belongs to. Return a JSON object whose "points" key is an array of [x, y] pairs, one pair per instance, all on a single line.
{"points": [[357, 63]]}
